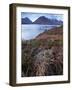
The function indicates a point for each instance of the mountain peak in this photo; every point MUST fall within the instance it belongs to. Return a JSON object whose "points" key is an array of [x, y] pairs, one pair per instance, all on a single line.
{"points": [[43, 17], [26, 20]]}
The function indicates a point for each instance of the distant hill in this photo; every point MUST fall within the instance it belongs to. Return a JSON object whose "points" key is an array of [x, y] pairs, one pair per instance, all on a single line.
{"points": [[44, 20], [26, 21], [53, 34]]}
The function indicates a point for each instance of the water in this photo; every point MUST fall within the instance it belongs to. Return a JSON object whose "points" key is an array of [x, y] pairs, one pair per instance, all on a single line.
{"points": [[32, 30]]}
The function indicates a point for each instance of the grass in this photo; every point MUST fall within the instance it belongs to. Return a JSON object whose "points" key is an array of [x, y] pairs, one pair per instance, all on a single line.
{"points": [[32, 48]]}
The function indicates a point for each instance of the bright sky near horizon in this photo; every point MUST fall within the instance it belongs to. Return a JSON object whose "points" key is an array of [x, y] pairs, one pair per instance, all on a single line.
{"points": [[34, 16]]}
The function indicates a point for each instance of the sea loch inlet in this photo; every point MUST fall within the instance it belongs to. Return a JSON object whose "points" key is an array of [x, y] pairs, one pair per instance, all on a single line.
{"points": [[32, 30]]}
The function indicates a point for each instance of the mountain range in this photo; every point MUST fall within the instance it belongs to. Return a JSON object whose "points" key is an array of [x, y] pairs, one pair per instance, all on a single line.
{"points": [[42, 20]]}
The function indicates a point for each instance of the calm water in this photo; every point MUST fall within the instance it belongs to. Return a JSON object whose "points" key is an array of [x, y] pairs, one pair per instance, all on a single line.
{"points": [[31, 31]]}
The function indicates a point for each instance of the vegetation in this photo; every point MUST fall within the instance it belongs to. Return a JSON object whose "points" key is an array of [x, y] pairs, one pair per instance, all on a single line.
{"points": [[42, 57]]}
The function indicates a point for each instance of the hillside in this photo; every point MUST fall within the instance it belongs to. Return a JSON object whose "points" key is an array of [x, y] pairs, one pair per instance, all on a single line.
{"points": [[53, 34]]}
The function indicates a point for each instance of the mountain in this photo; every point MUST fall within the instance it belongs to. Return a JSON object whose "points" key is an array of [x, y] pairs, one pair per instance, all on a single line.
{"points": [[26, 21], [53, 34], [44, 20]]}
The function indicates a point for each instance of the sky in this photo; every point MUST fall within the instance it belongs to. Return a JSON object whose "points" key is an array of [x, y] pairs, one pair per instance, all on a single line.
{"points": [[34, 16]]}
